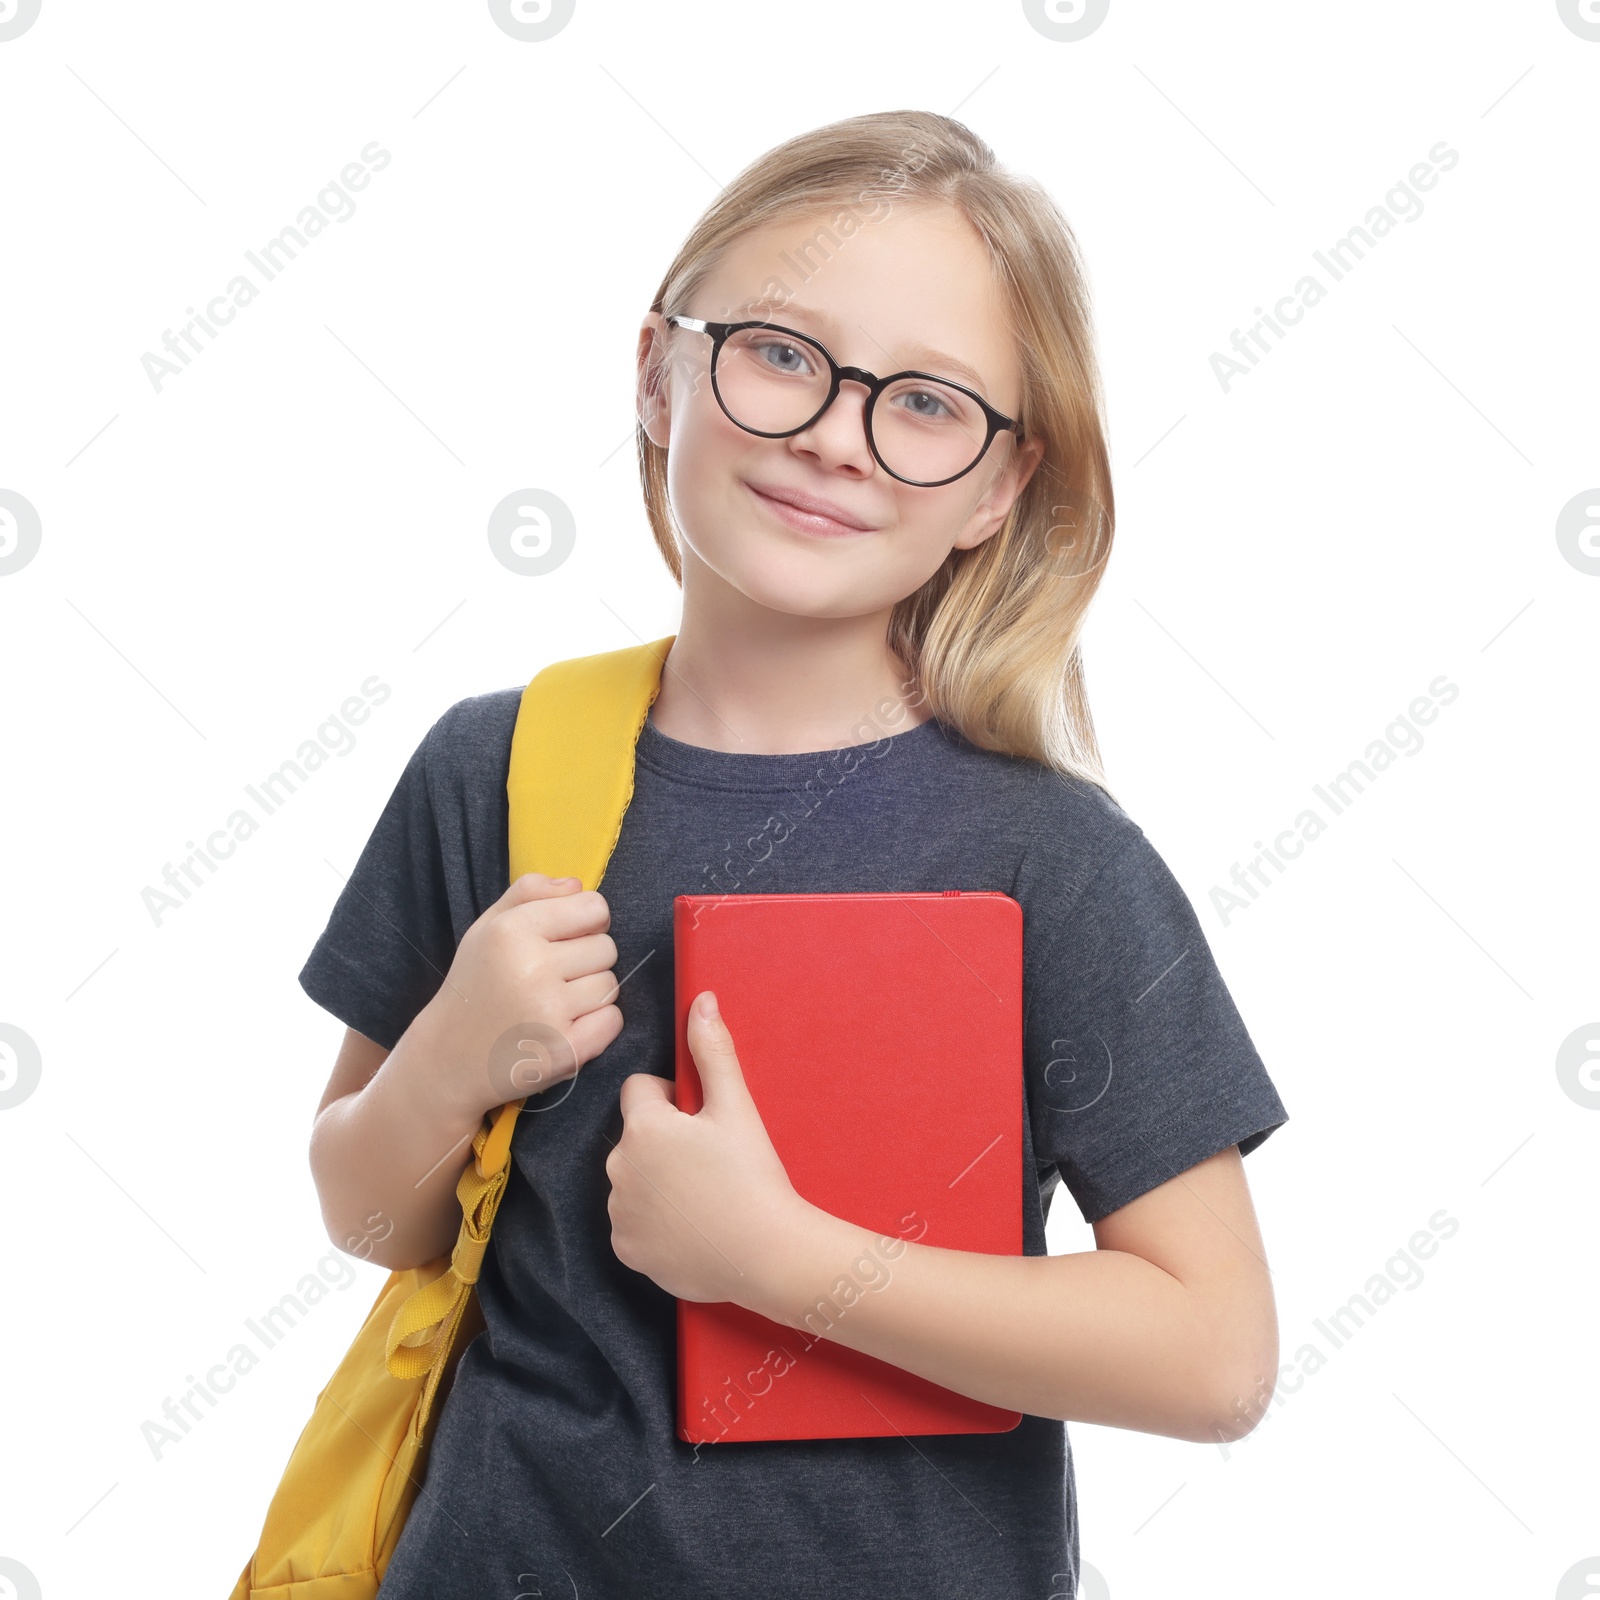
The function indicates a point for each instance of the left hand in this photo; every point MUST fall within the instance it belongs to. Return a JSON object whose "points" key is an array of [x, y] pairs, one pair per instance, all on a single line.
{"points": [[700, 1204]]}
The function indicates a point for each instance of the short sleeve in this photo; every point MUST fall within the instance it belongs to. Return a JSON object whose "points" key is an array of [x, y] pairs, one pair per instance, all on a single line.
{"points": [[1139, 1064], [390, 938]]}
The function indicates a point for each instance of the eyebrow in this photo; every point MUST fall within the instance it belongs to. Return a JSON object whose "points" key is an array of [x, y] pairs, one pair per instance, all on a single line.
{"points": [[923, 358]]}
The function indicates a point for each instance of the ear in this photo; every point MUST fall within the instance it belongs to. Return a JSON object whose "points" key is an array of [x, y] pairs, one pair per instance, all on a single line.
{"points": [[989, 515], [653, 401]]}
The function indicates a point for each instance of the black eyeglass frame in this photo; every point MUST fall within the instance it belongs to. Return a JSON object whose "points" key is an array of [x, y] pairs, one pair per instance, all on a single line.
{"points": [[998, 421]]}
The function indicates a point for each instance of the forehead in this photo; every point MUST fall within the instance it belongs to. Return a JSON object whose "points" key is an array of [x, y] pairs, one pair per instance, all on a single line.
{"points": [[882, 290]]}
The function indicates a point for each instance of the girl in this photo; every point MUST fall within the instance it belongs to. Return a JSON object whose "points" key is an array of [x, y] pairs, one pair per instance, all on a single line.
{"points": [[872, 454]]}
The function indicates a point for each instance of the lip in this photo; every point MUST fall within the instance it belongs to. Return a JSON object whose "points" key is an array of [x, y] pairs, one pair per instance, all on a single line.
{"points": [[809, 513]]}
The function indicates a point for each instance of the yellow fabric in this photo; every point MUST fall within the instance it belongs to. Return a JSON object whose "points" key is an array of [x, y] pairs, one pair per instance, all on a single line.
{"points": [[339, 1510]]}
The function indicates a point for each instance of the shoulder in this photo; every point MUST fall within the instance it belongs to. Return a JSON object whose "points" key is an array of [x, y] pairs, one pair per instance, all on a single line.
{"points": [[469, 746], [1062, 830]]}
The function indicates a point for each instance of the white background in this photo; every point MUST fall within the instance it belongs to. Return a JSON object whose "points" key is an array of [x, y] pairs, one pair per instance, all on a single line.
{"points": [[1375, 504]]}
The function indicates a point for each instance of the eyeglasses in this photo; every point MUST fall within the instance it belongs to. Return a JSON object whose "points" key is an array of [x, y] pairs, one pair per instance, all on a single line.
{"points": [[775, 383]]}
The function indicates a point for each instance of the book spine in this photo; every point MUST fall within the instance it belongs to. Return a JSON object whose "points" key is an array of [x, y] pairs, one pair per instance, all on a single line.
{"points": [[685, 985], [685, 1432]]}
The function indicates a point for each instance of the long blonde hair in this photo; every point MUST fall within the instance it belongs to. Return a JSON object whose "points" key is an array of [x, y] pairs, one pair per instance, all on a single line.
{"points": [[992, 638]]}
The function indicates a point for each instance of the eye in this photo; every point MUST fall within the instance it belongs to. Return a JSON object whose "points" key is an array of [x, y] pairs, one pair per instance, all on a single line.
{"points": [[783, 356], [930, 404], [921, 402], [926, 403]]}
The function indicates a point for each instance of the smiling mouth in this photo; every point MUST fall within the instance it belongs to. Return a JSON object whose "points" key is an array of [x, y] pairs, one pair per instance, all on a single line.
{"points": [[814, 522]]}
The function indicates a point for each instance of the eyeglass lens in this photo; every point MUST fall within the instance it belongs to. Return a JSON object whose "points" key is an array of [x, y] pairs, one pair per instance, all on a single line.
{"points": [[924, 430]]}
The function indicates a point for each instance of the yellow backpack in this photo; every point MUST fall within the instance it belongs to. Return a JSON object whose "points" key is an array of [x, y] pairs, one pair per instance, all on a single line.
{"points": [[340, 1507]]}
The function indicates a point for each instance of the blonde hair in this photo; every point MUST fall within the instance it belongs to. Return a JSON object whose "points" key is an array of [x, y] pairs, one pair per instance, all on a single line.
{"points": [[992, 638]]}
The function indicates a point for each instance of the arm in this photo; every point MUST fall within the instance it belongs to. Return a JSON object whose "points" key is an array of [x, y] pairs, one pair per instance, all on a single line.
{"points": [[387, 1148], [1169, 1326], [394, 1129]]}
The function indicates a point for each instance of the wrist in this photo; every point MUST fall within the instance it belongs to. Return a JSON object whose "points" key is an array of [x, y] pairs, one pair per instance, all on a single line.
{"points": [[442, 1093], [802, 1256]]}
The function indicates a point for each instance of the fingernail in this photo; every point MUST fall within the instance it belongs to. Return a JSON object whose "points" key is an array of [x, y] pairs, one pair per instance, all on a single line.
{"points": [[708, 1006]]}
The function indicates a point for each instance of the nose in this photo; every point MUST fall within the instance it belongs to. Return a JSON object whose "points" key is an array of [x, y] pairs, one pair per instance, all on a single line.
{"points": [[837, 440]]}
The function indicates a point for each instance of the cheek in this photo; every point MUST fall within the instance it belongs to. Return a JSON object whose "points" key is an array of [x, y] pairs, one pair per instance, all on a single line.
{"points": [[930, 522], [702, 467]]}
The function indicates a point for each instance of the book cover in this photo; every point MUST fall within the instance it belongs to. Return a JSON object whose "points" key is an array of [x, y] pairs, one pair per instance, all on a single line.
{"points": [[881, 1039]]}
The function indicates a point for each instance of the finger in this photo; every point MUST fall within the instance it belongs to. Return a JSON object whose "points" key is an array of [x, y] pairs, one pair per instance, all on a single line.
{"points": [[564, 916], [593, 1031], [711, 1045], [641, 1091], [582, 954], [590, 992], [536, 886]]}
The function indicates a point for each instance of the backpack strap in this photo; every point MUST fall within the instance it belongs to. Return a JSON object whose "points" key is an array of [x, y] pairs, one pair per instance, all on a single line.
{"points": [[568, 789], [571, 782]]}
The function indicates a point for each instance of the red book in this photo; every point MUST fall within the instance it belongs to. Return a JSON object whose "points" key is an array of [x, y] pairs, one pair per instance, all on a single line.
{"points": [[881, 1039]]}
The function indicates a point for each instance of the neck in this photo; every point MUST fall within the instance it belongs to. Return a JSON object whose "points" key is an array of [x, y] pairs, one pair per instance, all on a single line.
{"points": [[746, 679]]}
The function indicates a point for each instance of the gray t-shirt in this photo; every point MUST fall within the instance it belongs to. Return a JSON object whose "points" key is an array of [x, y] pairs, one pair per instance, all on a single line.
{"points": [[556, 1468]]}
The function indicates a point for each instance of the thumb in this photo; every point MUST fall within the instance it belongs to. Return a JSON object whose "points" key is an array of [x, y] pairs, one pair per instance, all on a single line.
{"points": [[711, 1044]]}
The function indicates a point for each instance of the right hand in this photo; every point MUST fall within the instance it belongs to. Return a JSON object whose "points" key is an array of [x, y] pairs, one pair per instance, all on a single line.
{"points": [[538, 964]]}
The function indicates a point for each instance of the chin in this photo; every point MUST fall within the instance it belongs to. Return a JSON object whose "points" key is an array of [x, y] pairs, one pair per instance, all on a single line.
{"points": [[794, 599], [792, 588]]}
